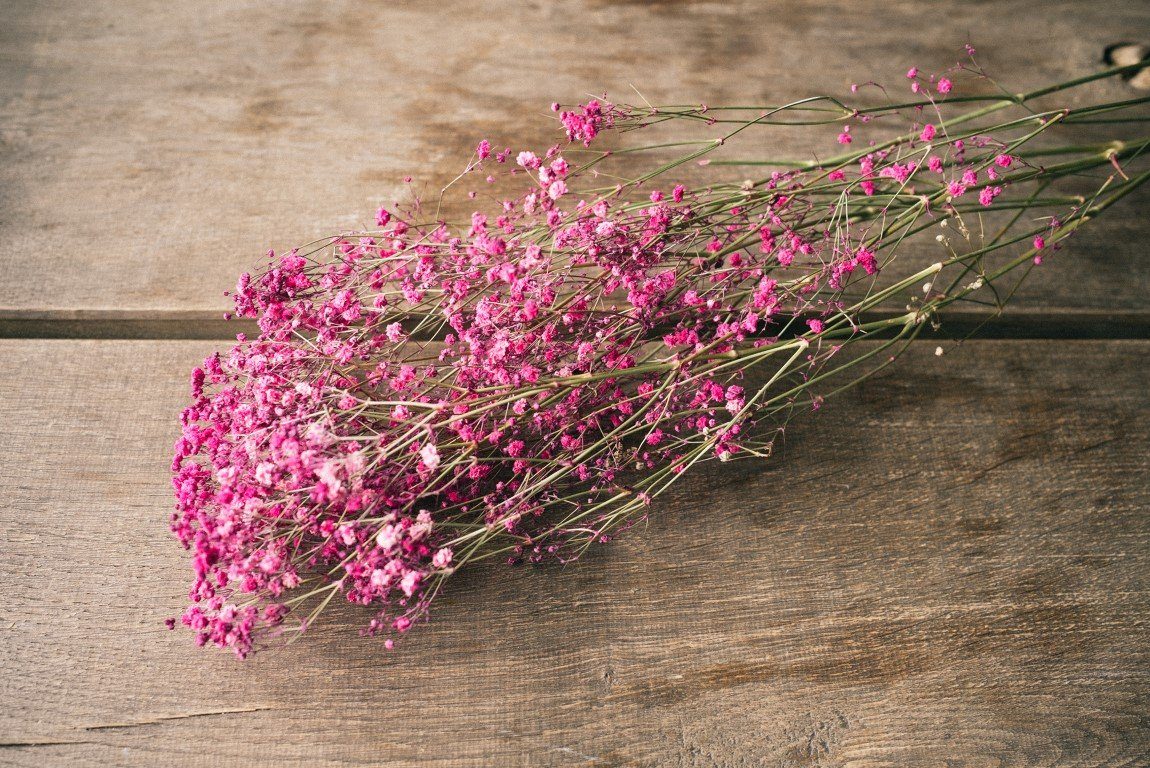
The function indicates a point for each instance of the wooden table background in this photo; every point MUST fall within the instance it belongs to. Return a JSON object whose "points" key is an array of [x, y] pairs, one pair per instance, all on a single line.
{"points": [[948, 567]]}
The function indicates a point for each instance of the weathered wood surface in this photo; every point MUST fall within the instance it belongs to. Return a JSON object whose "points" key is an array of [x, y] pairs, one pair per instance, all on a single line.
{"points": [[150, 151], [950, 566]]}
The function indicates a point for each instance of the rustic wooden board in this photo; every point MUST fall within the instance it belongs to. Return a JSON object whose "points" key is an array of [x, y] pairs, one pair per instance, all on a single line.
{"points": [[950, 566], [150, 151]]}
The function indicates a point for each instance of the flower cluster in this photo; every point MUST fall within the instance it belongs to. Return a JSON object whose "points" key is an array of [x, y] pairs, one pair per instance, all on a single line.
{"points": [[425, 395]]}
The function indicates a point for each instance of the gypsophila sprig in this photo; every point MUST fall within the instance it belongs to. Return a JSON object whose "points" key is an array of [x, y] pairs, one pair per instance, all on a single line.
{"points": [[426, 395]]}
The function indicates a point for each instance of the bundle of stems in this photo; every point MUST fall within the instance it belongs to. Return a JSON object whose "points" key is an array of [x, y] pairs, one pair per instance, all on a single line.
{"points": [[424, 395]]}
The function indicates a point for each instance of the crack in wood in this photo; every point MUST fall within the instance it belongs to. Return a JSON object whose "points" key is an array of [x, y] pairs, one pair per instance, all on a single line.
{"points": [[30, 744], [169, 718]]}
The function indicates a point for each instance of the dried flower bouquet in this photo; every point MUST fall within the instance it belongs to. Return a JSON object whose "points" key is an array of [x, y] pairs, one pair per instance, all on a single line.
{"points": [[426, 395]]}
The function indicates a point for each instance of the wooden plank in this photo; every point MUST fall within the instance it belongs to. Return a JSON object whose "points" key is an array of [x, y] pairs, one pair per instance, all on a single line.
{"points": [[150, 151], [949, 566]]}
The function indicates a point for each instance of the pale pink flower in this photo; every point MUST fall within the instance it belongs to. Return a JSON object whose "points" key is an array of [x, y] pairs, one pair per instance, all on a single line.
{"points": [[410, 582], [429, 454], [388, 536], [442, 558]]}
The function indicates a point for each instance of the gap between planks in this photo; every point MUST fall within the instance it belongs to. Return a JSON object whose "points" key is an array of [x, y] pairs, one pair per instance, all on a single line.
{"points": [[201, 324]]}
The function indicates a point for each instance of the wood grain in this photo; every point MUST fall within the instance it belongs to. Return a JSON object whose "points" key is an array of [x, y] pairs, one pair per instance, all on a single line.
{"points": [[948, 567], [150, 151]]}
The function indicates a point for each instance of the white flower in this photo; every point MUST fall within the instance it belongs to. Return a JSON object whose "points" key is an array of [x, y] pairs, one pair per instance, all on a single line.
{"points": [[430, 456], [264, 472], [387, 537]]}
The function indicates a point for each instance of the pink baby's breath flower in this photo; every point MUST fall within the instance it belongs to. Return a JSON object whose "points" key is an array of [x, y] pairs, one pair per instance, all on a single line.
{"points": [[585, 125], [944, 85], [421, 527]]}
